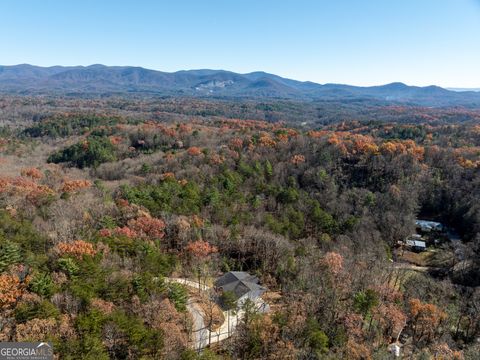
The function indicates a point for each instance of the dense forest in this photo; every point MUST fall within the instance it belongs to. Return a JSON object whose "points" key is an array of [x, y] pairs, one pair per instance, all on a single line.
{"points": [[103, 201]]}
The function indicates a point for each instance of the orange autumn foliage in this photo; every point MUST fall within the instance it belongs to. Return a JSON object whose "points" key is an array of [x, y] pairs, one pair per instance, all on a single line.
{"points": [[144, 227], [236, 143], [125, 231], [282, 138], [169, 156], [425, 318], [152, 126], [200, 249], [115, 140], [167, 176], [105, 232], [169, 132], [33, 173], [148, 227], [249, 124], [217, 159], [390, 318], [35, 329], [364, 144], [358, 351], [317, 134], [388, 148], [194, 151], [334, 140], [267, 141], [467, 163], [10, 290], [21, 186], [184, 128], [352, 143], [70, 186], [122, 203], [402, 147], [297, 159], [197, 221], [77, 249], [334, 262], [353, 325], [106, 307], [183, 182], [291, 132]]}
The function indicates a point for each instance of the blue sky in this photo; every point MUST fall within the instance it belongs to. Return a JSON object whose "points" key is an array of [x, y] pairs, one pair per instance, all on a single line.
{"points": [[361, 42]]}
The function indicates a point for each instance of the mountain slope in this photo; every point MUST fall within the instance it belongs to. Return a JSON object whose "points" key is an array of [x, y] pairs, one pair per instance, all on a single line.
{"points": [[101, 79]]}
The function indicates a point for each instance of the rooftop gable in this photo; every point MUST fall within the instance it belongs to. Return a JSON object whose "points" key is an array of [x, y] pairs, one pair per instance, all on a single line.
{"points": [[238, 282]]}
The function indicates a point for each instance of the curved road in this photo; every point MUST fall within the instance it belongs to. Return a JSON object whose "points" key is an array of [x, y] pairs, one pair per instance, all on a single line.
{"points": [[200, 331], [202, 336]]}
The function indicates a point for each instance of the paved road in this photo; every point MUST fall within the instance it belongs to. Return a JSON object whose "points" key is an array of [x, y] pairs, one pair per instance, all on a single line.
{"points": [[202, 336], [200, 332], [189, 283]]}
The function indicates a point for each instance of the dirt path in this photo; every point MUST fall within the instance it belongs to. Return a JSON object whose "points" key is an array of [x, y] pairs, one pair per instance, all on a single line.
{"points": [[407, 266]]}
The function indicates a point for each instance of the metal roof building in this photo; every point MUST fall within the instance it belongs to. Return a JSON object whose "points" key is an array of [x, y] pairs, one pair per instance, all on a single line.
{"points": [[242, 284], [428, 225]]}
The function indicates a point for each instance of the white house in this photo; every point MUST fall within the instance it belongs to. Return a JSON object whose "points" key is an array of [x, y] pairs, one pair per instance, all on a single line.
{"points": [[416, 244]]}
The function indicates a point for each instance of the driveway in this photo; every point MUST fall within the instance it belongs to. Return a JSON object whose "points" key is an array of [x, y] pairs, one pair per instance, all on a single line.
{"points": [[200, 332], [189, 283], [202, 336]]}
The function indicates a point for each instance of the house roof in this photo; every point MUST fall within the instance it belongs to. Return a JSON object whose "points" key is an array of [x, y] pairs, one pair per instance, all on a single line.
{"points": [[429, 224], [238, 282]]}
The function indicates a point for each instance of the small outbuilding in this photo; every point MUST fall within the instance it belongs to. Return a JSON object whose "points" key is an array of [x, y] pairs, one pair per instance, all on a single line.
{"points": [[417, 245]]}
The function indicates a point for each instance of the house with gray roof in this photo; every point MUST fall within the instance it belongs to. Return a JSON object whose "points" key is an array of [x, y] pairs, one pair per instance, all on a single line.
{"points": [[240, 283]]}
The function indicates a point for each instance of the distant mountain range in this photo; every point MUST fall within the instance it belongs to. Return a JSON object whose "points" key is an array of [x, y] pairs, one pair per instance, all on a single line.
{"points": [[100, 79]]}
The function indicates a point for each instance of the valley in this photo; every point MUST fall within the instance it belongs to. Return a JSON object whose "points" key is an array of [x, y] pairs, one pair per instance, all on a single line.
{"points": [[103, 200]]}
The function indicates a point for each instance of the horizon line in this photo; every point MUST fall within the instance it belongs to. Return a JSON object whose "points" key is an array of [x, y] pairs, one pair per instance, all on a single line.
{"points": [[450, 88]]}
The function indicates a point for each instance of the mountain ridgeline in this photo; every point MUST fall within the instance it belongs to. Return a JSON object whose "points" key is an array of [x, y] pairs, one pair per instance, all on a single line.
{"points": [[110, 80]]}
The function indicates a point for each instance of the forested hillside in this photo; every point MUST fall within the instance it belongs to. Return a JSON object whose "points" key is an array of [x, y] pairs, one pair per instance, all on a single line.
{"points": [[102, 201], [101, 80]]}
